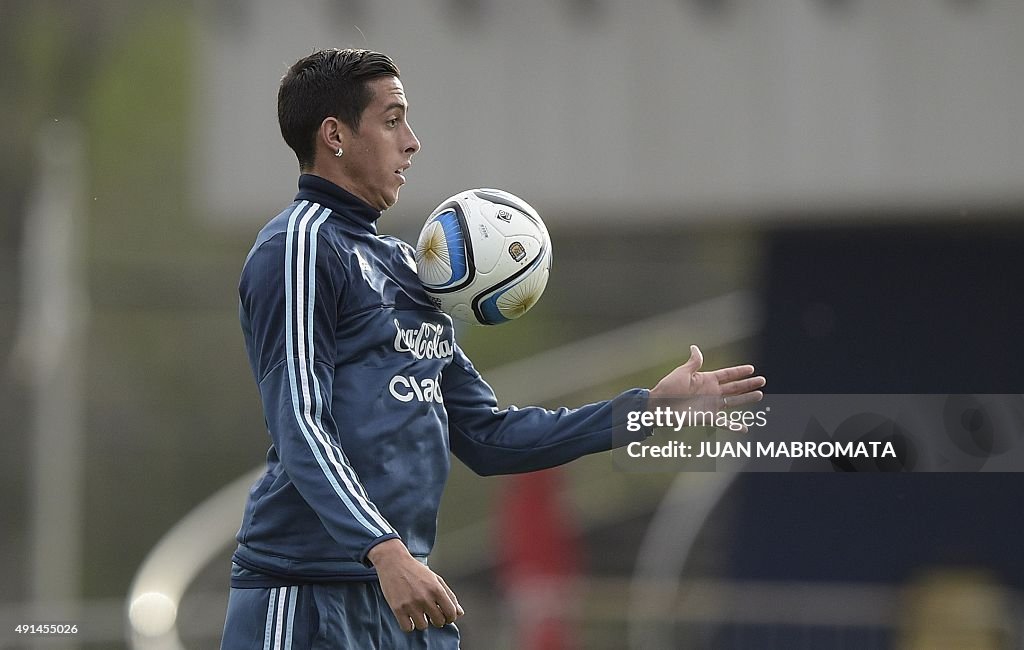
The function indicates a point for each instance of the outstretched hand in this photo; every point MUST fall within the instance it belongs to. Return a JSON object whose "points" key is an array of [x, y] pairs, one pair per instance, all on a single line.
{"points": [[711, 390]]}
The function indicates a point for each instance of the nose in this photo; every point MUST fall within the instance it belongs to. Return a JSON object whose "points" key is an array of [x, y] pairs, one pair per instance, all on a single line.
{"points": [[413, 144]]}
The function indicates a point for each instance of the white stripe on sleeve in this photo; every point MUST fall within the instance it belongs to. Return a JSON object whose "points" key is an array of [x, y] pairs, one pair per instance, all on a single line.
{"points": [[298, 319]]}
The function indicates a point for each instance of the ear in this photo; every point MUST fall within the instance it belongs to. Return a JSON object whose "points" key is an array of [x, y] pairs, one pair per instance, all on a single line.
{"points": [[332, 134]]}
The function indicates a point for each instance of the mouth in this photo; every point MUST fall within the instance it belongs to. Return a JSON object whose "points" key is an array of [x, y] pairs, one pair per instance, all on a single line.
{"points": [[400, 172]]}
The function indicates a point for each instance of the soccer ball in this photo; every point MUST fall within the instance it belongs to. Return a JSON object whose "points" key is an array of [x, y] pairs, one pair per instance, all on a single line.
{"points": [[484, 256]]}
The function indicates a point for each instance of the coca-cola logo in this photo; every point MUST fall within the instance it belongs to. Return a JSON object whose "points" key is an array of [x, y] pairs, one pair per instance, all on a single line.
{"points": [[426, 342]]}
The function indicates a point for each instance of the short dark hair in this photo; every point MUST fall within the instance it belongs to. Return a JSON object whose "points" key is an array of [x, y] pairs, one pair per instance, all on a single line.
{"points": [[327, 83]]}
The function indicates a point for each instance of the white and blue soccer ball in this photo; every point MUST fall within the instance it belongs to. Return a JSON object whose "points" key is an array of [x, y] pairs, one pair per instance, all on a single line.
{"points": [[484, 256]]}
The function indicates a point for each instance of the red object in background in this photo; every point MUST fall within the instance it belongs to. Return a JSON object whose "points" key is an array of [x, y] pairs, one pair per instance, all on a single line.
{"points": [[539, 552]]}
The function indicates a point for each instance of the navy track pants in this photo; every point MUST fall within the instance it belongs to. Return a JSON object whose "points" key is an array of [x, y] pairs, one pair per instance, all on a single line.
{"points": [[336, 616]]}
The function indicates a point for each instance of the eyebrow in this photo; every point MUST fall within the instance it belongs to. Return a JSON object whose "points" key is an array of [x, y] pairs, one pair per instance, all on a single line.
{"points": [[393, 105]]}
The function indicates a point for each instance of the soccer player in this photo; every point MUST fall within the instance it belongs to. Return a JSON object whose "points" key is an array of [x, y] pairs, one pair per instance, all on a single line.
{"points": [[366, 392]]}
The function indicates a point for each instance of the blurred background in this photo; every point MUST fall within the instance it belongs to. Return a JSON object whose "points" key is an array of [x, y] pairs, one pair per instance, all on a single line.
{"points": [[831, 189]]}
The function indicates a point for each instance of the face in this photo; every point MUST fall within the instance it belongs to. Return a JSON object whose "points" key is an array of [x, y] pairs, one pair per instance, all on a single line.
{"points": [[376, 156]]}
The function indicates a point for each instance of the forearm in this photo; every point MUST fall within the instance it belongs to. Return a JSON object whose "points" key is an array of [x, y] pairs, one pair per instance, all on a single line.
{"points": [[514, 440], [320, 470]]}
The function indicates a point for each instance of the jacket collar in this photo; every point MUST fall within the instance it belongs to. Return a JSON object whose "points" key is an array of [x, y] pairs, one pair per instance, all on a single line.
{"points": [[345, 204]]}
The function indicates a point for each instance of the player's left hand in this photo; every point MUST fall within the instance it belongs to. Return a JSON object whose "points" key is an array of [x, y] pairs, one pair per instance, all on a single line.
{"points": [[711, 390]]}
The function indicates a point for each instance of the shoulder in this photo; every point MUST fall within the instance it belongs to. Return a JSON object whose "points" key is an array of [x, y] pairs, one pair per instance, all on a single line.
{"points": [[391, 240], [400, 249], [300, 219], [303, 232]]}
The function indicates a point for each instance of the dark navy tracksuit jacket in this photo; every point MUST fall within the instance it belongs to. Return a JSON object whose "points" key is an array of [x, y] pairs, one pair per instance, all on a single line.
{"points": [[366, 394]]}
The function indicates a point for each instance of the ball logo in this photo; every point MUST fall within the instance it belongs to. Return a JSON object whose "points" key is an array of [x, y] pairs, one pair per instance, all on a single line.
{"points": [[504, 215], [517, 251]]}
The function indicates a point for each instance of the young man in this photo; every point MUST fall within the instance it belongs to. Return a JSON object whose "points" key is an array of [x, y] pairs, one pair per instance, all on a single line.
{"points": [[332, 551]]}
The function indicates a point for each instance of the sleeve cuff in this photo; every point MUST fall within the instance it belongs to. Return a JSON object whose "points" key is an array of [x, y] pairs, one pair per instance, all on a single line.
{"points": [[626, 427], [363, 557]]}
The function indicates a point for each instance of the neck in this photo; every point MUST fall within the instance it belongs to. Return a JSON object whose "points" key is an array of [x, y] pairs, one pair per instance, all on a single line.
{"points": [[334, 173]]}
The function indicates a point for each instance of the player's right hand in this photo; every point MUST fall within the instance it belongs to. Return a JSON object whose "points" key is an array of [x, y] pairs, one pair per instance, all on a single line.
{"points": [[418, 597]]}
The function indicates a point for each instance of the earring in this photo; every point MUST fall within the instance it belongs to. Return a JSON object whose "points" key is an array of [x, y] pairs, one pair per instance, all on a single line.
{"points": [[338, 155]]}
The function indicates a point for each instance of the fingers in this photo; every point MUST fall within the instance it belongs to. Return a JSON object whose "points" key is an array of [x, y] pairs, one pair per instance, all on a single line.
{"points": [[695, 361], [434, 616], [739, 393], [446, 608], [438, 606], [421, 622], [451, 594], [734, 401], [732, 373], [410, 619], [746, 394], [740, 387]]}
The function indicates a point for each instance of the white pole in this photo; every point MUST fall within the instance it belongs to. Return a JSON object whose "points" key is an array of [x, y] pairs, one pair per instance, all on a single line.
{"points": [[49, 358]]}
